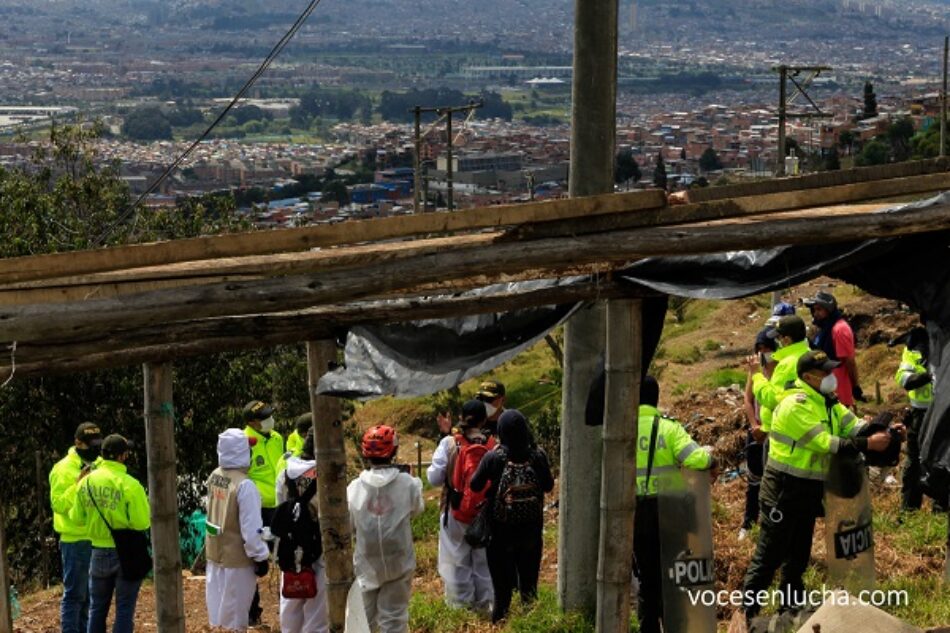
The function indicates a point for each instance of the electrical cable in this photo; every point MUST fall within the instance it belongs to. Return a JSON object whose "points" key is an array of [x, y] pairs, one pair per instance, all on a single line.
{"points": [[271, 56]]}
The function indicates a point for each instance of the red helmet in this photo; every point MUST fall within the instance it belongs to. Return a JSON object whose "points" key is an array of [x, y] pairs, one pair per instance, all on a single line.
{"points": [[380, 442]]}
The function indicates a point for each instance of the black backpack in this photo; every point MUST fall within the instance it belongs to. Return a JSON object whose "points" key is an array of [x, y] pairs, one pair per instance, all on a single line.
{"points": [[298, 531], [518, 498]]}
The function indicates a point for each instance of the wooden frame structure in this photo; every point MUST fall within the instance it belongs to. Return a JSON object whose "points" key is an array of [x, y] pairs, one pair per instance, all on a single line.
{"points": [[154, 303]]}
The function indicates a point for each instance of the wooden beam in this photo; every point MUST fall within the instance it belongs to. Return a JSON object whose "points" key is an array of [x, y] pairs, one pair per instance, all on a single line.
{"points": [[6, 609], [71, 322], [282, 240], [330, 448], [209, 336], [163, 497], [619, 476]]}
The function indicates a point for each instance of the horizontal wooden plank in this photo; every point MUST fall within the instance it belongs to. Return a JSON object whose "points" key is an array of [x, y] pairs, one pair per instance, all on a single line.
{"points": [[19, 269], [73, 321]]}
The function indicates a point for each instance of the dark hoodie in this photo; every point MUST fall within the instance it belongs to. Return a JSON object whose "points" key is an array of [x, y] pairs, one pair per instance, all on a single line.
{"points": [[515, 444]]}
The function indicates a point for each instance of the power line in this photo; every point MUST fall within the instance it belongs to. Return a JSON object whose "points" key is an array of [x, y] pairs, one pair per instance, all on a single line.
{"points": [[271, 56]]}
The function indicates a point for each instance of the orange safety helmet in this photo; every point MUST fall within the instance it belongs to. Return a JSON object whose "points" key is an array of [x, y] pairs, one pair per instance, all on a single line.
{"points": [[380, 442]]}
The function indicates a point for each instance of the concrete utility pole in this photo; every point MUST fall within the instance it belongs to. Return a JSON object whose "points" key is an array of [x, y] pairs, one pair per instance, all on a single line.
{"points": [[163, 497], [943, 100], [593, 127], [786, 74]]}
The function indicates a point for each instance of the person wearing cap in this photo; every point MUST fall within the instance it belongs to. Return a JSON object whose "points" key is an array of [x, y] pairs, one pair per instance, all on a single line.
{"points": [[297, 437], [789, 333], [237, 555], [74, 545], [110, 497], [836, 339], [671, 448], [464, 569], [765, 348], [916, 378], [492, 393], [382, 500], [267, 451], [809, 425]]}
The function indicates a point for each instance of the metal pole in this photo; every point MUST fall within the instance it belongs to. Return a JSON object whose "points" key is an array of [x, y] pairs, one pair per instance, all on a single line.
{"points": [[943, 100], [163, 497], [448, 165], [417, 161], [783, 74], [330, 447], [593, 128]]}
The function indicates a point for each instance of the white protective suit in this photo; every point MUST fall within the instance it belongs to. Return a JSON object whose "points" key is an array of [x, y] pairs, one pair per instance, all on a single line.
{"points": [[382, 500], [303, 616], [229, 590], [464, 570]]}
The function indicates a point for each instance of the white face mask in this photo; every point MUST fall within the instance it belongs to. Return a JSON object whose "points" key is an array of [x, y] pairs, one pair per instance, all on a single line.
{"points": [[766, 358], [267, 425], [490, 409], [829, 384]]}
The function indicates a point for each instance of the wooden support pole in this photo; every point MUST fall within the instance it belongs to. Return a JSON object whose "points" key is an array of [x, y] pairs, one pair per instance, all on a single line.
{"points": [[330, 449], [618, 489], [163, 497], [6, 609]]}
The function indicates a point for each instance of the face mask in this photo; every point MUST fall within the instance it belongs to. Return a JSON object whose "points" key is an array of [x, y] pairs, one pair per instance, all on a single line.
{"points": [[765, 358], [267, 425], [490, 409], [829, 384], [89, 454]]}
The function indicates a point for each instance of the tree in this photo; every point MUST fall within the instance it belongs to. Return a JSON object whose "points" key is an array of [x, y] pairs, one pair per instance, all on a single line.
{"points": [[147, 123], [870, 101], [335, 190], [625, 167], [899, 134], [833, 161], [846, 139], [926, 144], [709, 161], [659, 173], [873, 153]]}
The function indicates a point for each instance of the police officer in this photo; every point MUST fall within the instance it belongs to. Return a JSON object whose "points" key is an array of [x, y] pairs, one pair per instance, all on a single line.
{"points": [[110, 499], [663, 445], [808, 426], [493, 394], [914, 376], [74, 545], [266, 454], [296, 439], [789, 332]]}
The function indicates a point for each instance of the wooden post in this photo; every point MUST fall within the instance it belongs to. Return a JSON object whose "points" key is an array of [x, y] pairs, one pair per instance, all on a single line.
{"points": [[417, 161], [782, 82], [6, 611], [330, 449], [41, 526], [163, 497], [618, 488]]}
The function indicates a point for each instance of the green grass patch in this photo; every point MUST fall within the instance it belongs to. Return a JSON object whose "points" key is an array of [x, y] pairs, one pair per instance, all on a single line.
{"points": [[430, 614], [680, 389], [426, 525], [710, 345], [925, 602], [686, 355], [724, 378], [921, 532], [544, 616], [689, 316]]}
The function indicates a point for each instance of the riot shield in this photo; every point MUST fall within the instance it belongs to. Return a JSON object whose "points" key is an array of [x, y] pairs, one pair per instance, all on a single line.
{"points": [[849, 541], [686, 552]]}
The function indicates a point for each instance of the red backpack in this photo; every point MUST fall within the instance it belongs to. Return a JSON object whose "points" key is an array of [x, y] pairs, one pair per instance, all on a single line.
{"points": [[468, 458]]}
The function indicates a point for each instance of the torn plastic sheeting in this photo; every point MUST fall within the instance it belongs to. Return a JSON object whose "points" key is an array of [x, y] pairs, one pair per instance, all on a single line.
{"points": [[422, 357]]}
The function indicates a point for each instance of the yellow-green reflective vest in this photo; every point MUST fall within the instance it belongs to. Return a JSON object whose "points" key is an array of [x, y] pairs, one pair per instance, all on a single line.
{"points": [[120, 497], [674, 449], [768, 391], [63, 483], [805, 432], [266, 455], [295, 443], [921, 397]]}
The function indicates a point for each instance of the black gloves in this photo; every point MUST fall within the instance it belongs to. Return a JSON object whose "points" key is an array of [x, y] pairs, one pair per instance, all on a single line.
{"points": [[918, 380], [260, 568]]}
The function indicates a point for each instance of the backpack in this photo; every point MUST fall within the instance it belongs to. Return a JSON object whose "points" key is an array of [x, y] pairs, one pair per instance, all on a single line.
{"points": [[299, 546], [466, 503], [519, 498]]}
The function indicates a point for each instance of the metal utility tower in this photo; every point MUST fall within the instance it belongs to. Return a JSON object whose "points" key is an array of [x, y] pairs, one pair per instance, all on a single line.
{"points": [[446, 113], [793, 74]]}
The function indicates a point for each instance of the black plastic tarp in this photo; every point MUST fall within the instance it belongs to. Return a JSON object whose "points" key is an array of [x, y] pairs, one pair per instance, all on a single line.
{"points": [[417, 358]]}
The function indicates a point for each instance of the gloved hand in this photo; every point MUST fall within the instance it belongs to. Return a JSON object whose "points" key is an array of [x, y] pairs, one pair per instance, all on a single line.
{"points": [[858, 393], [261, 567]]}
